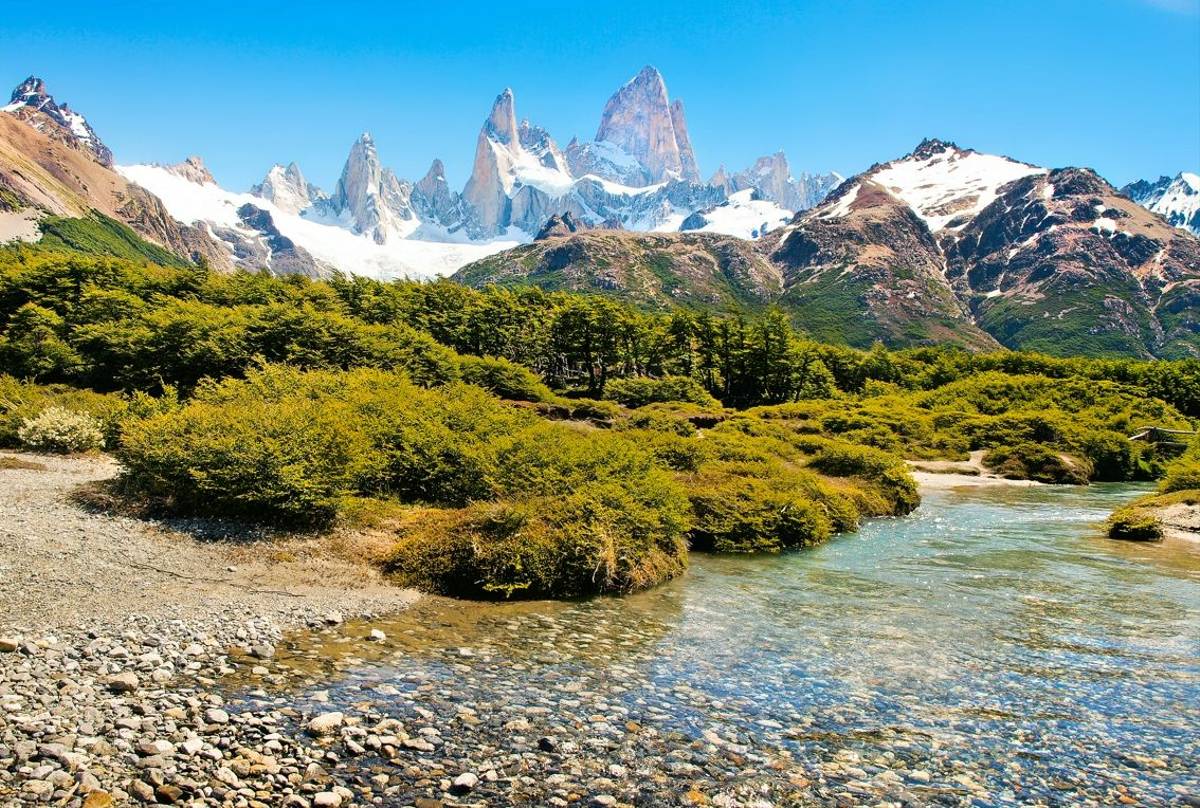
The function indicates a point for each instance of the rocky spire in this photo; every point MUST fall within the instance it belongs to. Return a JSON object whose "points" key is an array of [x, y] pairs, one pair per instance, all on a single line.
{"points": [[687, 158], [376, 200], [287, 189], [496, 149], [30, 92], [502, 122], [638, 120], [193, 170], [537, 141]]}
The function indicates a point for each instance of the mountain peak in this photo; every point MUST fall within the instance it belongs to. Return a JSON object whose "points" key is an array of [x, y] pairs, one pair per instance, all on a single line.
{"points": [[436, 172], [193, 169], [648, 75], [33, 105], [640, 120], [930, 147], [32, 87], [502, 121]]}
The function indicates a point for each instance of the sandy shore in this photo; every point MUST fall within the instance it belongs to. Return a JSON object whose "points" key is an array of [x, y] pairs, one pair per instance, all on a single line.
{"points": [[1180, 522], [64, 566], [943, 475]]}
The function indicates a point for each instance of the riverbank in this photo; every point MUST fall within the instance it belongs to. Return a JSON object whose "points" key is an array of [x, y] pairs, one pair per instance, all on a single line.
{"points": [[114, 632], [945, 475]]}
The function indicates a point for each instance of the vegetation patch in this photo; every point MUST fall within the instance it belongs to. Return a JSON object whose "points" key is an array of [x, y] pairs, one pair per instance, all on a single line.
{"points": [[102, 235]]}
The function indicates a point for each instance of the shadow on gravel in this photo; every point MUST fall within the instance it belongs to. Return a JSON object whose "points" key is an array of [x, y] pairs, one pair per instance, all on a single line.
{"points": [[108, 497]]}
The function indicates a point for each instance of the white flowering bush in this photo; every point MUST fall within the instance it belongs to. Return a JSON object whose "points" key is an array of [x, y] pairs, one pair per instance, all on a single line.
{"points": [[60, 430]]}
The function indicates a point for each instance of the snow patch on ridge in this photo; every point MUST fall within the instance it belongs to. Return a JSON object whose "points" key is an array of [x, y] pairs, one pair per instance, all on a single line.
{"points": [[335, 244], [950, 183]]}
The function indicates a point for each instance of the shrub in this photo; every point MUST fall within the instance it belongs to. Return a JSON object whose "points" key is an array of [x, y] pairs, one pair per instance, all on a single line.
{"points": [[1183, 474], [639, 391], [503, 378], [62, 431], [888, 473], [1133, 523], [744, 514], [1031, 461], [601, 537]]}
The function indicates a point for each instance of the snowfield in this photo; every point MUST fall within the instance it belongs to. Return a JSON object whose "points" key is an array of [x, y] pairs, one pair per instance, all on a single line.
{"points": [[951, 183], [331, 242], [744, 217]]}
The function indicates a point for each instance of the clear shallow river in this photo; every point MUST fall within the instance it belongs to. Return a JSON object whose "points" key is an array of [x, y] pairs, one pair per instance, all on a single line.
{"points": [[992, 648]]}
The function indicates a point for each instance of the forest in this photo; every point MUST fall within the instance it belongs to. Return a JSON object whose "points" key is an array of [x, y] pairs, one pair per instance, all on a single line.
{"points": [[520, 443]]}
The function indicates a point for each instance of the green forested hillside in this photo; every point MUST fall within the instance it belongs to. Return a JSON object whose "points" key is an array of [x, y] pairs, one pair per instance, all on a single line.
{"points": [[525, 443]]}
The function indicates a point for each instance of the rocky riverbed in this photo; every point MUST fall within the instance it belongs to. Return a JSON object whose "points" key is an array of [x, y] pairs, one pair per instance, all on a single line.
{"points": [[934, 660]]}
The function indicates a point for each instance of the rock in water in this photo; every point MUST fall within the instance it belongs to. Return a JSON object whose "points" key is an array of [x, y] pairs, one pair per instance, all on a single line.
{"points": [[325, 723]]}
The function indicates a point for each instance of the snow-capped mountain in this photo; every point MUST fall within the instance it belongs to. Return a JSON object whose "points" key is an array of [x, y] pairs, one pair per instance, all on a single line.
{"points": [[942, 245], [251, 227], [771, 177], [639, 173], [288, 190], [744, 214], [1175, 199], [947, 243]]}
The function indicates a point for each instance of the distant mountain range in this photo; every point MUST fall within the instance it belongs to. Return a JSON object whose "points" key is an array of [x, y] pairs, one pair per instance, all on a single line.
{"points": [[943, 244], [639, 173]]}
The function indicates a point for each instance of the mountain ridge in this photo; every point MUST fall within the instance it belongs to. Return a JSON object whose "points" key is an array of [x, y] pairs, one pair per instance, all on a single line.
{"points": [[941, 245]]}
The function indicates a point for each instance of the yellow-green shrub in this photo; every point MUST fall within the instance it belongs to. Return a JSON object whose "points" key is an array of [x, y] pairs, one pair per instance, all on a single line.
{"points": [[638, 391], [600, 537]]}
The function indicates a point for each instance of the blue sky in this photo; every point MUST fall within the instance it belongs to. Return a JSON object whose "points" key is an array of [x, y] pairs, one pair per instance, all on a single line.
{"points": [[1112, 84]]}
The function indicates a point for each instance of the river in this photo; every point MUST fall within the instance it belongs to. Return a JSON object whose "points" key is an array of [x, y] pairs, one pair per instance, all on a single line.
{"points": [[991, 648]]}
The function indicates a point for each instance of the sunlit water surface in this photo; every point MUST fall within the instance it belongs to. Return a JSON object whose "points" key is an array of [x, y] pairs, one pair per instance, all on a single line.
{"points": [[994, 634]]}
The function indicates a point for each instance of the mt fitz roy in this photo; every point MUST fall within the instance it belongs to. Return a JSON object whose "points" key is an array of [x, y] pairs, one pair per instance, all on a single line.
{"points": [[639, 173]]}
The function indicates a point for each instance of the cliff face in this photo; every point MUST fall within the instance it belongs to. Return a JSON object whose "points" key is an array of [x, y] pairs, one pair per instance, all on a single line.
{"points": [[640, 121]]}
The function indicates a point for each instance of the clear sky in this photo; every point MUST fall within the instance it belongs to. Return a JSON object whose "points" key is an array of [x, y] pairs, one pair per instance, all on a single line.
{"points": [[837, 84]]}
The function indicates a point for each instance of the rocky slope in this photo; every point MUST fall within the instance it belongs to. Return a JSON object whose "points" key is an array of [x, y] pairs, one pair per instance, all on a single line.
{"points": [[943, 245], [32, 104], [1062, 262], [651, 269], [43, 173]]}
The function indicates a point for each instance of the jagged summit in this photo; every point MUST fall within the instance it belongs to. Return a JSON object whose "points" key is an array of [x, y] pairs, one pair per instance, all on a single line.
{"points": [[560, 225], [288, 189], [502, 122], [640, 121], [193, 169], [931, 146], [33, 104], [32, 89]]}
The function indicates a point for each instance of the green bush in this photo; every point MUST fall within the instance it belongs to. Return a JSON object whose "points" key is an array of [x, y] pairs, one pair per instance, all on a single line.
{"points": [[1133, 523], [638, 391], [601, 537], [503, 378], [21, 401], [61, 431], [1031, 461], [744, 514]]}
